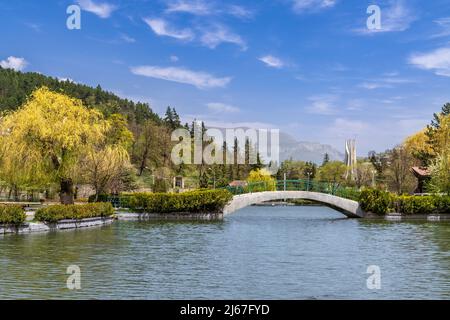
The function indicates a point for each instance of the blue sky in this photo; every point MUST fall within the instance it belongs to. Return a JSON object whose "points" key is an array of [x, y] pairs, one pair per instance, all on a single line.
{"points": [[308, 67]]}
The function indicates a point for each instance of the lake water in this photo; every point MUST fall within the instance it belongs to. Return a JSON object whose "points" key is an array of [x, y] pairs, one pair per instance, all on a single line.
{"points": [[257, 253]]}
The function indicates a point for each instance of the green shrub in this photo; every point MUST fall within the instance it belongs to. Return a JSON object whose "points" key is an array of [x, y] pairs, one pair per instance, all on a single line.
{"points": [[161, 185], [201, 201], [376, 201], [415, 204], [12, 214], [442, 204], [382, 202], [348, 193], [56, 213], [100, 198]]}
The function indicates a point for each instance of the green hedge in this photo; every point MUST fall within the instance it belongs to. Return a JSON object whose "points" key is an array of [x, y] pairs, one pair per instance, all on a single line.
{"points": [[348, 193], [56, 213], [202, 201], [382, 202], [12, 214], [101, 198], [375, 201]]}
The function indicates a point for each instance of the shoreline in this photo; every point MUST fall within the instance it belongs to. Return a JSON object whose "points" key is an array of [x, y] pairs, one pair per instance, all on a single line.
{"points": [[35, 227]]}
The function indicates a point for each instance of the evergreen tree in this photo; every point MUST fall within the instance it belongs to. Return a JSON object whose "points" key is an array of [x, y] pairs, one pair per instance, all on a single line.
{"points": [[326, 159]]}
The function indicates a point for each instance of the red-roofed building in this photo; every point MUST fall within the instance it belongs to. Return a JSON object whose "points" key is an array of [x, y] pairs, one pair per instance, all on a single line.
{"points": [[238, 183], [423, 175]]}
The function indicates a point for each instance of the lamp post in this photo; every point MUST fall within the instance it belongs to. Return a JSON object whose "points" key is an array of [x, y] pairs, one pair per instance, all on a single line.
{"points": [[309, 178]]}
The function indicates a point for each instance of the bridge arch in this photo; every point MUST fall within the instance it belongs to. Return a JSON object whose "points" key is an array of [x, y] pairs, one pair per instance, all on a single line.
{"points": [[349, 208]]}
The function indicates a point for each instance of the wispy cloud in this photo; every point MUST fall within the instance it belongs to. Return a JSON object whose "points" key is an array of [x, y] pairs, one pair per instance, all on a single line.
{"points": [[437, 61], [396, 17], [64, 79], [103, 10], [322, 105], [201, 80], [300, 6], [127, 38], [213, 37], [219, 107], [34, 26], [15, 63], [345, 128], [207, 8], [240, 11], [444, 24], [373, 85], [388, 80], [195, 7], [272, 61], [162, 28]]}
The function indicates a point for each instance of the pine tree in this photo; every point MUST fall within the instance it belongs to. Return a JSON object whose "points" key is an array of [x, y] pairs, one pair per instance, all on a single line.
{"points": [[326, 159], [176, 123], [436, 125], [168, 118]]}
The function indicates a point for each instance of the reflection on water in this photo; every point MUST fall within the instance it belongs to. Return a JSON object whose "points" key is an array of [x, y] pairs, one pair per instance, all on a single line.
{"points": [[258, 253]]}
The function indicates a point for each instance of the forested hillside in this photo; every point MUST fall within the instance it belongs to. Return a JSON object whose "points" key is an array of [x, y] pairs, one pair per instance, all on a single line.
{"points": [[151, 145], [15, 87]]}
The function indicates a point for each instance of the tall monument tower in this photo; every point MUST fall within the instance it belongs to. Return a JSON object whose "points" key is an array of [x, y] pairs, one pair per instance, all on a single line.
{"points": [[350, 158]]}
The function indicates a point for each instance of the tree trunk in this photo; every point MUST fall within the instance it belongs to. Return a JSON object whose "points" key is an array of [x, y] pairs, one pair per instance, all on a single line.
{"points": [[143, 162], [66, 194]]}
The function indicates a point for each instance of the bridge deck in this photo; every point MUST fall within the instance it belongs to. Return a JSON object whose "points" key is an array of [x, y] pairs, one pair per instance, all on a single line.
{"points": [[348, 207]]}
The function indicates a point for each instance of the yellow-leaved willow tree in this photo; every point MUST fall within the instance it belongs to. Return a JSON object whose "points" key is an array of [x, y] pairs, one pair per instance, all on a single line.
{"points": [[49, 139]]}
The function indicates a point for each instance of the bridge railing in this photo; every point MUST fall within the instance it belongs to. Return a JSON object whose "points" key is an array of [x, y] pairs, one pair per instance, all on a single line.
{"points": [[286, 185]]}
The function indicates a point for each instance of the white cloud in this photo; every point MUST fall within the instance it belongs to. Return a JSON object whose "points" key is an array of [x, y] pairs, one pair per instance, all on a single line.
{"points": [[195, 7], [272, 61], [127, 38], [345, 128], [103, 10], [174, 58], [395, 18], [161, 28], [208, 8], [201, 80], [62, 79], [240, 12], [389, 80], [218, 122], [222, 107], [34, 26], [398, 17], [15, 63], [308, 5], [212, 38], [373, 85], [322, 105], [437, 61], [444, 24]]}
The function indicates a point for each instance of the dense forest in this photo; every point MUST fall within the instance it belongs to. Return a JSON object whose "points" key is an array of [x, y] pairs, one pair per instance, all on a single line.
{"points": [[16, 86], [145, 138], [151, 145]]}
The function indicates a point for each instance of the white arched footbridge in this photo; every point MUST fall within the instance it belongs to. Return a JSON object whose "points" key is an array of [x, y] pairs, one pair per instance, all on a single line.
{"points": [[350, 208]]}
